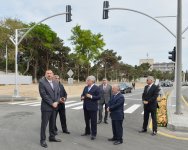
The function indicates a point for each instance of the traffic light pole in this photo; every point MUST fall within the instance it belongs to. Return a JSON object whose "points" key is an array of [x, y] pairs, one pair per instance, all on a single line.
{"points": [[178, 36], [179, 57]]}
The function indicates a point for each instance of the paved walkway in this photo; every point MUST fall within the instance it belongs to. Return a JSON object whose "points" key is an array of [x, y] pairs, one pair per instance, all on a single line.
{"points": [[177, 122]]}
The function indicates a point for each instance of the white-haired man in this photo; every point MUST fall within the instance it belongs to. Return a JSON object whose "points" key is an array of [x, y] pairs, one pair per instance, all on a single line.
{"points": [[116, 109], [149, 99], [90, 96]]}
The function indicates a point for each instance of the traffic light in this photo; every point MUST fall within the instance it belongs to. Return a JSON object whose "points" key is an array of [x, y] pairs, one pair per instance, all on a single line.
{"points": [[68, 13], [20, 57], [172, 54], [105, 12]]}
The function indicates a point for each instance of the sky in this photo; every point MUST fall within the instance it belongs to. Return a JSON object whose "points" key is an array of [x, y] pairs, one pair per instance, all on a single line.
{"points": [[132, 35]]}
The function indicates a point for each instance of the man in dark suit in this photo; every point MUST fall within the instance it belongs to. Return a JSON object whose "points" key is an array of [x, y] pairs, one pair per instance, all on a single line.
{"points": [[106, 93], [61, 107], [90, 96], [149, 99], [116, 109], [50, 94]]}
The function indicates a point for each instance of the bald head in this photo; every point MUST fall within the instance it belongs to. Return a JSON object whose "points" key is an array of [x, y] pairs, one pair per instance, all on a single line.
{"points": [[115, 89]]}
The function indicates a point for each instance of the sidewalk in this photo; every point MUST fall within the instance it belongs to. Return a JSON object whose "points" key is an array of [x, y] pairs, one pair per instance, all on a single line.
{"points": [[177, 122], [30, 92]]}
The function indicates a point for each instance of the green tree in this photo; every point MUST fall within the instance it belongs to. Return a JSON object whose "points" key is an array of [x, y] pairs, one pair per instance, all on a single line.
{"points": [[87, 45]]}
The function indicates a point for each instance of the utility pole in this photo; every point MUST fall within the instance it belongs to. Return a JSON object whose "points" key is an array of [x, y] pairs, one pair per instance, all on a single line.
{"points": [[179, 57]]}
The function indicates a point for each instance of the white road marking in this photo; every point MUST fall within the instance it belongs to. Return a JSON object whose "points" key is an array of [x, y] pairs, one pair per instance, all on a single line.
{"points": [[132, 108]]}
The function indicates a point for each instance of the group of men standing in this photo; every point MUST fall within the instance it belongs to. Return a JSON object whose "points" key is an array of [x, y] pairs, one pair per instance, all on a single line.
{"points": [[94, 98]]}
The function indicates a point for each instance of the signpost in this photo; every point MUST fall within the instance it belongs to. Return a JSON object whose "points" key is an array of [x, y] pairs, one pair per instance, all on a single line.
{"points": [[70, 73]]}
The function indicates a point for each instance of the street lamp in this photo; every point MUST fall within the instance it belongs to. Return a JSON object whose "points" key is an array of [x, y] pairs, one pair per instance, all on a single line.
{"points": [[17, 41]]}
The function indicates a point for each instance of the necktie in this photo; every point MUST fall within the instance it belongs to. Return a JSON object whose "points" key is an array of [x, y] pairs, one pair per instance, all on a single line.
{"points": [[51, 84], [104, 86], [89, 87], [148, 89]]}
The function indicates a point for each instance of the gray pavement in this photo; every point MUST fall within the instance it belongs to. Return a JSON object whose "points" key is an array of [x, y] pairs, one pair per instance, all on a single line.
{"points": [[10, 98], [177, 122]]}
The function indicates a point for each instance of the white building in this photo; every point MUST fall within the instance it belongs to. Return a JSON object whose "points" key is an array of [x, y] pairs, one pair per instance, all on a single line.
{"points": [[164, 67]]}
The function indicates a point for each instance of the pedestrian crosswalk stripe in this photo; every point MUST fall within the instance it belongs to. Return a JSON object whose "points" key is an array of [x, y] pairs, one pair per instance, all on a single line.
{"points": [[132, 108], [35, 104], [30, 103], [79, 107], [40, 103], [76, 105], [14, 103], [70, 105]]}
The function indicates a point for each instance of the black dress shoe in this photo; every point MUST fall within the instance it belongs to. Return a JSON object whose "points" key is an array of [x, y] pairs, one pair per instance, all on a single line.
{"points": [[85, 134], [93, 137], [112, 139], [106, 122], [43, 144], [118, 142], [99, 122], [142, 131], [54, 140], [154, 133], [67, 132]]}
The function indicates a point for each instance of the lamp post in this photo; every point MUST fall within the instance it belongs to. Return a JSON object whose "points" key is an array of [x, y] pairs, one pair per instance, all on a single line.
{"points": [[17, 41]]}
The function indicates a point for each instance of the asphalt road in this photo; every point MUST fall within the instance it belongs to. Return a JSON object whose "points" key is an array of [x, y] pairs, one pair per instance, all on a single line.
{"points": [[20, 129]]}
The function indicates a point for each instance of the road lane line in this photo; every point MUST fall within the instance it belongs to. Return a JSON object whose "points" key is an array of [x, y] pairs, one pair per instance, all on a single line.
{"points": [[70, 105], [40, 103], [77, 108], [16, 103], [132, 108], [30, 103]]}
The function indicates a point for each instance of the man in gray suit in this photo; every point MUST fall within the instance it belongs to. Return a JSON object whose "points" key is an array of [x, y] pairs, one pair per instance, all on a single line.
{"points": [[50, 94], [106, 93]]}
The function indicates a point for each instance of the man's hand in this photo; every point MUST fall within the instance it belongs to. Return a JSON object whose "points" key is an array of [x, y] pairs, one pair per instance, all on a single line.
{"points": [[62, 100], [88, 95], [108, 109], [82, 98], [145, 102], [55, 104]]}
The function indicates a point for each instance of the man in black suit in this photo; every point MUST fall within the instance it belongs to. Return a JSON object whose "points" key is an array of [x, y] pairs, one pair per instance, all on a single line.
{"points": [[149, 99], [50, 94], [61, 107], [90, 96], [116, 109]]}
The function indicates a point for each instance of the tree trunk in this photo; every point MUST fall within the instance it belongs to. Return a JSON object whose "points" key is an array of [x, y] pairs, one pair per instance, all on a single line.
{"points": [[35, 72], [78, 74]]}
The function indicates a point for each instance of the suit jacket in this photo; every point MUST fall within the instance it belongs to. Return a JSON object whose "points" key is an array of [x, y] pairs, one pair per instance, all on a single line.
{"points": [[116, 107], [48, 94], [63, 93], [150, 96], [105, 94], [91, 104]]}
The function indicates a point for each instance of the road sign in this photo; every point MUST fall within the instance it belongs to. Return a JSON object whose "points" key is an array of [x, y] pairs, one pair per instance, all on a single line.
{"points": [[70, 80], [70, 73]]}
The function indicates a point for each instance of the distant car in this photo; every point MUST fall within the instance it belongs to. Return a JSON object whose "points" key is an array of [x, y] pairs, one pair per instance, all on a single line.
{"points": [[184, 83], [125, 88], [166, 83]]}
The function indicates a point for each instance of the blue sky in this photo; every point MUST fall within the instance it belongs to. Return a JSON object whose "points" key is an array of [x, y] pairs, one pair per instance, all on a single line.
{"points": [[130, 34]]}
